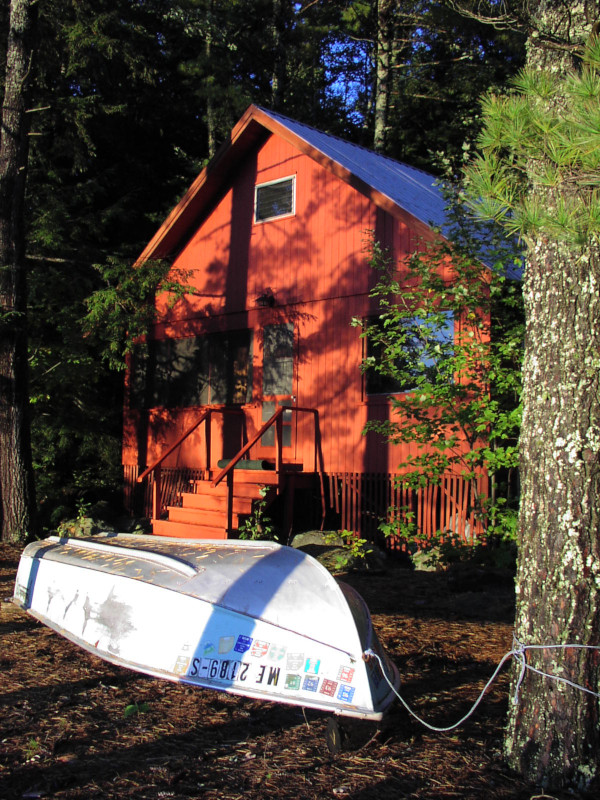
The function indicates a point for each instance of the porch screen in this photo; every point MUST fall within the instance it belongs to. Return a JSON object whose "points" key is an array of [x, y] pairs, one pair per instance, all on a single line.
{"points": [[195, 371]]}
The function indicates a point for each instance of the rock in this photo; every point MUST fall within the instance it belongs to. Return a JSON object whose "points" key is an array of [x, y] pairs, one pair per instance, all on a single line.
{"points": [[319, 538], [329, 548], [427, 560], [135, 525], [83, 526]]}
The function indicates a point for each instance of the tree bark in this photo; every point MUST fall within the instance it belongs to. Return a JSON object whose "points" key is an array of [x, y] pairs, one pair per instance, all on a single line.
{"points": [[17, 499], [383, 71], [553, 734], [279, 24], [211, 120]]}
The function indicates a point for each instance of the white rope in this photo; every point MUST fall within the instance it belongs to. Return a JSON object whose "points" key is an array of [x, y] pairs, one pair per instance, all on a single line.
{"points": [[519, 654], [522, 649], [520, 657], [460, 721]]}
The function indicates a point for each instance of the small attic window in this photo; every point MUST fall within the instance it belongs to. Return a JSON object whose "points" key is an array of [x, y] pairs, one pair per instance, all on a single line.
{"points": [[275, 199]]}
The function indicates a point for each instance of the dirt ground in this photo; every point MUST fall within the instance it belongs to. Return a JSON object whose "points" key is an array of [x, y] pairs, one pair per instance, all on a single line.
{"points": [[73, 726]]}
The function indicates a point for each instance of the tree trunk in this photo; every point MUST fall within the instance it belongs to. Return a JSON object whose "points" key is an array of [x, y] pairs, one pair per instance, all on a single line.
{"points": [[553, 734], [211, 117], [383, 71], [279, 26], [17, 501]]}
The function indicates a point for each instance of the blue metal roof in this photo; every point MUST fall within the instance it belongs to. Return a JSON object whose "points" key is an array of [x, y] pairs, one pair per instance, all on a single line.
{"points": [[412, 189], [416, 192]]}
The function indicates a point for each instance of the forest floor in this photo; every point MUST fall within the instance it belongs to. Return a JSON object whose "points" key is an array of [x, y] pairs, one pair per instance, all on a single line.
{"points": [[73, 726]]}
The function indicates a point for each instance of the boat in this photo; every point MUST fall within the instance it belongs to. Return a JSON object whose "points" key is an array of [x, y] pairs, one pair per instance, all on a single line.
{"points": [[251, 618]]}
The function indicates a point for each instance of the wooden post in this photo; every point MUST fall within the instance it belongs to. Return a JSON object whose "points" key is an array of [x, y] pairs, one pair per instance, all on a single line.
{"points": [[278, 444], [229, 503], [207, 439], [316, 432], [288, 524], [156, 494]]}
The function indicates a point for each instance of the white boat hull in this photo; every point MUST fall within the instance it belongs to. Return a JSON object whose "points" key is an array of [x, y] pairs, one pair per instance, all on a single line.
{"points": [[250, 618]]}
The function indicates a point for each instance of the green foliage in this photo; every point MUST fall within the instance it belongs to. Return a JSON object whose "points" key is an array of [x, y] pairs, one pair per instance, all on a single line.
{"points": [[33, 749], [122, 310], [540, 154], [133, 709], [456, 399], [401, 522], [108, 152], [108, 157], [355, 549], [79, 317], [258, 525], [444, 548], [439, 65], [75, 403], [83, 509]]}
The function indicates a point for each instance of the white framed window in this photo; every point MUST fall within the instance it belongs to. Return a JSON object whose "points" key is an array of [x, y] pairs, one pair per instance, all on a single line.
{"points": [[275, 199]]}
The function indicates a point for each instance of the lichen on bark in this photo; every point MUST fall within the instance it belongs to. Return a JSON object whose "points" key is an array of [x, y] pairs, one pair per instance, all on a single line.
{"points": [[538, 186], [553, 734]]}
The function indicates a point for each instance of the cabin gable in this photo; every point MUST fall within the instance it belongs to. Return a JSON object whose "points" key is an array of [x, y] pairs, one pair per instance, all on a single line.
{"points": [[318, 252]]}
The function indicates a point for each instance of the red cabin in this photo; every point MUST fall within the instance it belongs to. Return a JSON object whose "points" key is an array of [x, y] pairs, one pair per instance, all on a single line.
{"points": [[252, 382]]}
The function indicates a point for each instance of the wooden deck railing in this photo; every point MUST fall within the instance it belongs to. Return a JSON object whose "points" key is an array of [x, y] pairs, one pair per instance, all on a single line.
{"points": [[228, 471], [206, 418], [276, 419]]}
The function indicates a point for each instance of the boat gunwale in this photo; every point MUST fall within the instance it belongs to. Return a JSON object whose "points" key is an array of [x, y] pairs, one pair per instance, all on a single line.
{"points": [[250, 544], [253, 694]]}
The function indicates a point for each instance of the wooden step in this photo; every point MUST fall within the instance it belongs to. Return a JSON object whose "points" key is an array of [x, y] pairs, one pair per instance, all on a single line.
{"points": [[164, 527], [200, 516], [203, 512], [240, 505], [240, 489]]}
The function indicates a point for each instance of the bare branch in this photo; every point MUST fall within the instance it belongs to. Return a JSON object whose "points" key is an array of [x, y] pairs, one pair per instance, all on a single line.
{"points": [[484, 11], [523, 20]]}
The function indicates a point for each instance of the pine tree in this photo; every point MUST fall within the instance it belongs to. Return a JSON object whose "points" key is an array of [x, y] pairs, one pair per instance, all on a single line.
{"points": [[17, 499], [411, 74], [538, 173]]}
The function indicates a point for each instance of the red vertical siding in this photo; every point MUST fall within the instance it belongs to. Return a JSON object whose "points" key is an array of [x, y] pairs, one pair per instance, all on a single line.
{"points": [[316, 265]]}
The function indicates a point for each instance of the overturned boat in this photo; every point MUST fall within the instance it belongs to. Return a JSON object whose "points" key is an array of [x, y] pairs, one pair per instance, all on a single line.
{"points": [[247, 617]]}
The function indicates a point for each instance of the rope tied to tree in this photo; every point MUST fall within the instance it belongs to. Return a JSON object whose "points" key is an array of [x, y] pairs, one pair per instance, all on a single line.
{"points": [[519, 653]]}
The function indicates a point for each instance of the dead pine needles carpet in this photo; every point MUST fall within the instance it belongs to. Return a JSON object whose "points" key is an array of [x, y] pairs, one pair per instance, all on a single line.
{"points": [[73, 726]]}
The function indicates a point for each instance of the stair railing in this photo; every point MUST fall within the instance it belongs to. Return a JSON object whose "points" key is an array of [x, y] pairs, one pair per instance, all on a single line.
{"points": [[156, 467], [277, 420]]}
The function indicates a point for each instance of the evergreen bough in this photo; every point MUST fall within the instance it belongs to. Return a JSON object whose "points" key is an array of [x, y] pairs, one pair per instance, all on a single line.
{"points": [[546, 134]]}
